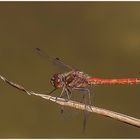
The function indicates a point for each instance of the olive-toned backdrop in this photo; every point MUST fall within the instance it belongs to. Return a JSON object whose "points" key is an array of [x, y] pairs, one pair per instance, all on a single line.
{"points": [[100, 38]]}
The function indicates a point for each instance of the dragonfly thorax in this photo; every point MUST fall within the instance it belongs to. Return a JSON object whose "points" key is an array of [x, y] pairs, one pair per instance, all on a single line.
{"points": [[73, 79]]}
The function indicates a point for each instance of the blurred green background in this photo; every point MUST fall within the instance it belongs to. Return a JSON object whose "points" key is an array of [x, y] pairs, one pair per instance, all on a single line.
{"points": [[100, 38]]}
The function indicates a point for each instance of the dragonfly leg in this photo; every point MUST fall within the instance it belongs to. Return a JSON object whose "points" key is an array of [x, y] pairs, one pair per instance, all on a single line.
{"points": [[62, 92], [67, 94], [51, 91], [89, 96], [65, 90]]}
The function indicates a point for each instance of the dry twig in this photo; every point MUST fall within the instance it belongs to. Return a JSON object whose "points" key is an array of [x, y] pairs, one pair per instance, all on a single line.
{"points": [[118, 116]]}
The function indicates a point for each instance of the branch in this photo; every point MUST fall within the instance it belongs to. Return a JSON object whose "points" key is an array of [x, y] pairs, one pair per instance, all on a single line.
{"points": [[118, 116]]}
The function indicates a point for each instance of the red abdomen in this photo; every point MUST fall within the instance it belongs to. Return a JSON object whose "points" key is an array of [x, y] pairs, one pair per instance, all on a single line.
{"points": [[94, 80]]}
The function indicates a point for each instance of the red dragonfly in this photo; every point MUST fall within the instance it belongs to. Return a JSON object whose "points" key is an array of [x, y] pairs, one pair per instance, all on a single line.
{"points": [[78, 80]]}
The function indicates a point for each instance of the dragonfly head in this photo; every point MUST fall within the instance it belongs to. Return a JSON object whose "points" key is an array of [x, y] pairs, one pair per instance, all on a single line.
{"points": [[56, 80]]}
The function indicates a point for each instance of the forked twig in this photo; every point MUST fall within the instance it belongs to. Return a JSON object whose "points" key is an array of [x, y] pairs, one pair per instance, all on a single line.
{"points": [[118, 116]]}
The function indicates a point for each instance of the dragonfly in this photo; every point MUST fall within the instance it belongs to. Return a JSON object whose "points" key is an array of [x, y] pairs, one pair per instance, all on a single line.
{"points": [[76, 79]]}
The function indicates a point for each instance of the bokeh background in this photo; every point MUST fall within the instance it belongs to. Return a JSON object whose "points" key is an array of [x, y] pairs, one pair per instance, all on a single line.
{"points": [[100, 38]]}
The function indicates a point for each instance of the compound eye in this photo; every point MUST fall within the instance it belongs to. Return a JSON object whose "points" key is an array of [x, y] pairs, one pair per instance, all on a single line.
{"points": [[56, 81]]}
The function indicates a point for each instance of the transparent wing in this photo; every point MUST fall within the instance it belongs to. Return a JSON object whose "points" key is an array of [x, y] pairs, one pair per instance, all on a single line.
{"points": [[66, 112], [86, 99], [54, 60]]}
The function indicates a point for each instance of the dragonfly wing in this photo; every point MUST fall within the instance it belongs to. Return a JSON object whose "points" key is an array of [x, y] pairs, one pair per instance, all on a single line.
{"points": [[66, 112], [86, 115], [86, 101], [54, 60]]}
